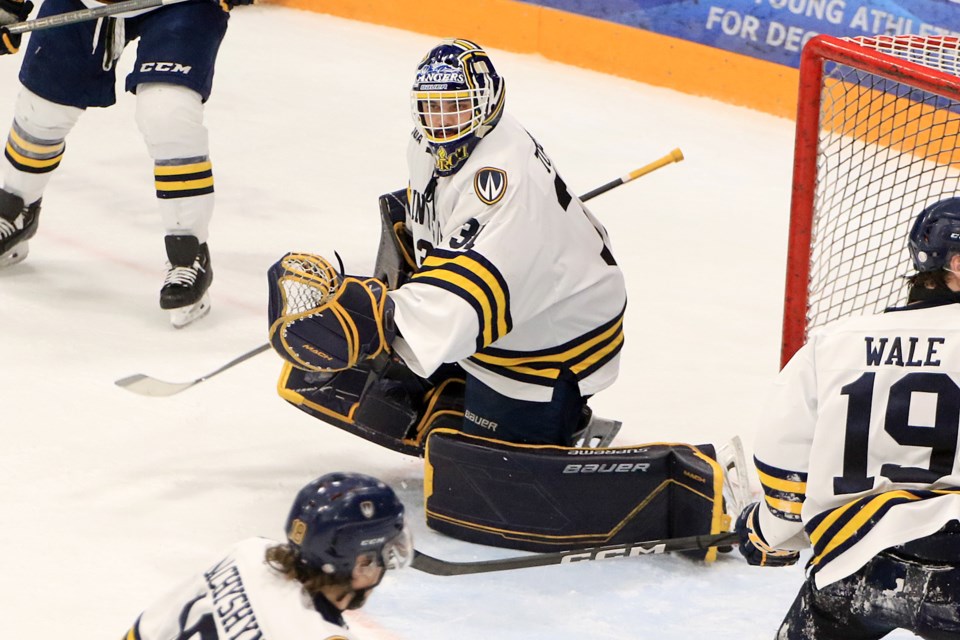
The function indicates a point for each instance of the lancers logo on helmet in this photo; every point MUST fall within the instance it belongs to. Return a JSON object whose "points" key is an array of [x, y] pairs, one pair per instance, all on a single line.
{"points": [[437, 77]]}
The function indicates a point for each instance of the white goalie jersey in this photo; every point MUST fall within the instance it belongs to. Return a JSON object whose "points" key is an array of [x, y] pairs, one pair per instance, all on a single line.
{"points": [[857, 446], [239, 598], [516, 279]]}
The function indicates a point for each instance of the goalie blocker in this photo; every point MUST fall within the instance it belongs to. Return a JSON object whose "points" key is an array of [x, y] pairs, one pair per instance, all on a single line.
{"points": [[547, 498]]}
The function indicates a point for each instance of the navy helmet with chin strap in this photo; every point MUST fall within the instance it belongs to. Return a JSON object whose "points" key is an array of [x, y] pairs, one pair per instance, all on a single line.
{"points": [[457, 98], [935, 235], [341, 516]]}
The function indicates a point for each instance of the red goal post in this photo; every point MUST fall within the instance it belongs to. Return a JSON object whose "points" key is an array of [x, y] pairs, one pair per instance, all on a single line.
{"points": [[877, 139]]}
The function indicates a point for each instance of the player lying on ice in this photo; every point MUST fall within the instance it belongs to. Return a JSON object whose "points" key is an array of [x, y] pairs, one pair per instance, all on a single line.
{"points": [[496, 312]]}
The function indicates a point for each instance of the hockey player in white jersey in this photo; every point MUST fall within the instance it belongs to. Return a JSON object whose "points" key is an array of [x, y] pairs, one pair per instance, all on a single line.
{"points": [[857, 455], [71, 68], [510, 275], [344, 531]]}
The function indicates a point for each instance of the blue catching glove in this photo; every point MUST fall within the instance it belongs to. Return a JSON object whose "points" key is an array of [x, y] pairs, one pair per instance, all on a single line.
{"points": [[12, 11], [322, 322], [752, 545]]}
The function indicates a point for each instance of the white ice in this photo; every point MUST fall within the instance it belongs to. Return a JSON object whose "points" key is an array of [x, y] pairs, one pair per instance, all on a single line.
{"points": [[107, 498]]}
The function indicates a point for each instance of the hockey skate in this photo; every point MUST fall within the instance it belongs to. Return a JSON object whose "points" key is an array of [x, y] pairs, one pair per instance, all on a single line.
{"points": [[598, 432], [18, 223], [736, 482], [189, 275]]}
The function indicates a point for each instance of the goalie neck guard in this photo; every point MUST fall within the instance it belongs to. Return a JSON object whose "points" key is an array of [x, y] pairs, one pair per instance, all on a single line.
{"points": [[457, 99]]}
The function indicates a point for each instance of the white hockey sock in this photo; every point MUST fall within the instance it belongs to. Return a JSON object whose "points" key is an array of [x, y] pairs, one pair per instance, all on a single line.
{"points": [[35, 144]]}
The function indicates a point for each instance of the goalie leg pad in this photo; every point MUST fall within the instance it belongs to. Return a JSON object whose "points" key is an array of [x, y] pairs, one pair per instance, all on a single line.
{"points": [[549, 498]]}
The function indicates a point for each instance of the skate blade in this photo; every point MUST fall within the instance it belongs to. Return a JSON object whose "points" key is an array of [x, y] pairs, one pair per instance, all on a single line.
{"points": [[14, 255], [736, 482], [183, 316]]}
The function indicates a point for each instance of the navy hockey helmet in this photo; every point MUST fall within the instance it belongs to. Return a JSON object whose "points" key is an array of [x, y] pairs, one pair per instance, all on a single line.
{"points": [[935, 234], [341, 516], [457, 99]]}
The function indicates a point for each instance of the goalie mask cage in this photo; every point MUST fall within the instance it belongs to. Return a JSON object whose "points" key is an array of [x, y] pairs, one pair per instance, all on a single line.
{"points": [[876, 141]]}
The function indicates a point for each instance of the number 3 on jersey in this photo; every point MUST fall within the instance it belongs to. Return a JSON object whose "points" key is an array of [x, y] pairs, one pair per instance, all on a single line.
{"points": [[940, 437]]}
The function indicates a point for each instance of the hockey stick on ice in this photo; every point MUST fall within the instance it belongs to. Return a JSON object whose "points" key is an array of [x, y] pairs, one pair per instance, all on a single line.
{"points": [[83, 15], [437, 567], [147, 386]]}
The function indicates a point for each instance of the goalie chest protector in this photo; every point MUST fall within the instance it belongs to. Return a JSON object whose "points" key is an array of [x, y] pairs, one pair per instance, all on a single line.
{"points": [[550, 498]]}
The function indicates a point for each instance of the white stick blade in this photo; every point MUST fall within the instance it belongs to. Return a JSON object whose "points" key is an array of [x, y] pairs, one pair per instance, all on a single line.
{"points": [[147, 386]]}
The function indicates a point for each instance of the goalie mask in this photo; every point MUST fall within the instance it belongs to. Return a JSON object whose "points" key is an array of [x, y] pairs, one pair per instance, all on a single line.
{"points": [[457, 99], [935, 235], [340, 517]]}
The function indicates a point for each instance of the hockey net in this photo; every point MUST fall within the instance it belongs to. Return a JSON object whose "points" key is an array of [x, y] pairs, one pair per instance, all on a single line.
{"points": [[877, 140]]}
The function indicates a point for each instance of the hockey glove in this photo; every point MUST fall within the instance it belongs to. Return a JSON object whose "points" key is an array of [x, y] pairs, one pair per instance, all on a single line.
{"points": [[752, 545], [322, 322], [12, 11], [226, 5]]}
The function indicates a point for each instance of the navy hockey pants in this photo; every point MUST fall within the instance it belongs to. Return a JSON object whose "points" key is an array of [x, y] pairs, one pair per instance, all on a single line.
{"points": [[178, 45], [892, 591], [494, 415]]}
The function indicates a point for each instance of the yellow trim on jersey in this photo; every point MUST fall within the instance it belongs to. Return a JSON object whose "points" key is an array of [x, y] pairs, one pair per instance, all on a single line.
{"points": [[436, 266], [36, 148], [185, 185], [178, 169], [32, 162], [786, 506], [613, 336], [779, 484], [856, 523]]}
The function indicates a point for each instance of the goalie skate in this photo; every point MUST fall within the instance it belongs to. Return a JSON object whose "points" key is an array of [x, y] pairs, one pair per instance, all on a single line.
{"points": [[598, 433], [189, 275], [736, 482]]}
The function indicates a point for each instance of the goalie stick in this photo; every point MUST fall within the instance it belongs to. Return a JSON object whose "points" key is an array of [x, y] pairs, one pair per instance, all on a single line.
{"points": [[438, 567], [148, 386], [674, 156], [84, 15]]}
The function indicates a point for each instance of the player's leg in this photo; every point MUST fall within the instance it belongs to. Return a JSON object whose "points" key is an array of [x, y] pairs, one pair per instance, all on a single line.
{"points": [[939, 616], [62, 74], [933, 577], [172, 78], [844, 610]]}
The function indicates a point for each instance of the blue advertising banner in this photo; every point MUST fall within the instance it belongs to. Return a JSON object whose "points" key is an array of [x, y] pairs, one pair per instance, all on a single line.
{"points": [[773, 30]]}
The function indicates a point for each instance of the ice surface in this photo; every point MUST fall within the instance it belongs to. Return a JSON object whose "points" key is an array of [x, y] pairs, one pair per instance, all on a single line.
{"points": [[109, 497]]}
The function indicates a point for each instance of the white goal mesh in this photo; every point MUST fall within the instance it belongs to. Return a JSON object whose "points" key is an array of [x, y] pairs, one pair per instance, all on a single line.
{"points": [[886, 146]]}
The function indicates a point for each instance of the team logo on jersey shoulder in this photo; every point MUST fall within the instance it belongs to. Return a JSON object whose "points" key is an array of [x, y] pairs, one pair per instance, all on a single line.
{"points": [[490, 184]]}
